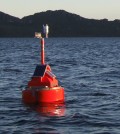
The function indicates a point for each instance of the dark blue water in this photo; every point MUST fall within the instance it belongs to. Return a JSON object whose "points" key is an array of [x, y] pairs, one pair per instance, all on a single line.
{"points": [[88, 69]]}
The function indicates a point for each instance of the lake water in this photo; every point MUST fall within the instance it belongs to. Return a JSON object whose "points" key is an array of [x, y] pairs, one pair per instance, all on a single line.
{"points": [[88, 69]]}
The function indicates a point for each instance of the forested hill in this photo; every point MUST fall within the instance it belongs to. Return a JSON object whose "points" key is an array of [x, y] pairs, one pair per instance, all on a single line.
{"points": [[61, 23]]}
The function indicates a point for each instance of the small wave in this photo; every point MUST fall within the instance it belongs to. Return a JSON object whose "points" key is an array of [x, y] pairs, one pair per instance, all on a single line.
{"points": [[12, 70], [45, 130], [111, 74], [99, 94]]}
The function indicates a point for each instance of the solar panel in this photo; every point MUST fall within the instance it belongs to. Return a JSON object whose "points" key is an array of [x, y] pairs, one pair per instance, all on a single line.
{"points": [[39, 71]]}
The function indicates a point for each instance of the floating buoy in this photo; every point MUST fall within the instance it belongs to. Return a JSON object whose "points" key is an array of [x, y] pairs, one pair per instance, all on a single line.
{"points": [[43, 86]]}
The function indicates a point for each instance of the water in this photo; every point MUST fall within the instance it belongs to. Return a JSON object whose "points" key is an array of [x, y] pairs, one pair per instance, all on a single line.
{"points": [[88, 69]]}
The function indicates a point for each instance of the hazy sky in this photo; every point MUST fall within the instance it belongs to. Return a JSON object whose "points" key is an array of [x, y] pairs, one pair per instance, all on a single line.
{"points": [[97, 9]]}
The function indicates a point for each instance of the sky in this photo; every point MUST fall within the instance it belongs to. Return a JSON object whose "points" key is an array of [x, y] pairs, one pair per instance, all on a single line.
{"points": [[92, 9]]}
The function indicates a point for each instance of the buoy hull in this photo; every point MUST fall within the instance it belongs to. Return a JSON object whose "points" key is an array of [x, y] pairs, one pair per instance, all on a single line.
{"points": [[28, 96], [44, 95]]}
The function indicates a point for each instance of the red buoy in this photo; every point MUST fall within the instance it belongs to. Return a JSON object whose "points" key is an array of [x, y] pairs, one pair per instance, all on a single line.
{"points": [[43, 87]]}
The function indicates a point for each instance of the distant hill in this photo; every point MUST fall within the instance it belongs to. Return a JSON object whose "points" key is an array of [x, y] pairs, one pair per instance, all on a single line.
{"points": [[62, 24]]}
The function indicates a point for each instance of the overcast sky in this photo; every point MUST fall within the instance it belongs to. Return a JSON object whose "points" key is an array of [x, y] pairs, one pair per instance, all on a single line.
{"points": [[97, 9]]}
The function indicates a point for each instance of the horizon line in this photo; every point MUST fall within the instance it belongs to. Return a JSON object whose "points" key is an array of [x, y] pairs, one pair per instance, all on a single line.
{"points": [[58, 10]]}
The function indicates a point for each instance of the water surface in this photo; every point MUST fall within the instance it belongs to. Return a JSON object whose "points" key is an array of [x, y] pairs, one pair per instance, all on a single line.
{"points": [[88, 69]]}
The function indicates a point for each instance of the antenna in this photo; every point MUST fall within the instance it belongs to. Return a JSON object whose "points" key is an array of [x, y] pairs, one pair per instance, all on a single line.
{"points": [[39, 35]]}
